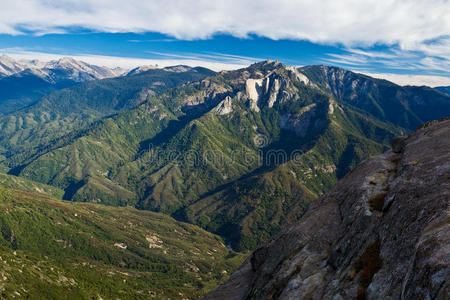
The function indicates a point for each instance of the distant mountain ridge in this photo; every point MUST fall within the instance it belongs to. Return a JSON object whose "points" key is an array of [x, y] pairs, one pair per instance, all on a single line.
{"points": [[444, 89], [23, 82], [66, 67], [69, 110], [404, 106], [9, 66]]}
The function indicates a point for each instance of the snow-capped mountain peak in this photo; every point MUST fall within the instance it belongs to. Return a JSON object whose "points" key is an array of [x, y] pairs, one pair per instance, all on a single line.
{"points": [[140, 69], [66, 68], [9, 66]]}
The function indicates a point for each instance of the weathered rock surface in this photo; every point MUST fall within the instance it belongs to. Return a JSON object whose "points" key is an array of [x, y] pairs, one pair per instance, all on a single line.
{"points": [[276, 85], [225, 107], [383, 232]]}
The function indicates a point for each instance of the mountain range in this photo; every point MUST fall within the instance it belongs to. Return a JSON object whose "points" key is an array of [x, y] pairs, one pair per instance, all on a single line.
{"points": [[24, 82], [239, 155], [65, 68], [407, 106], [70, 110], [280, 137]]}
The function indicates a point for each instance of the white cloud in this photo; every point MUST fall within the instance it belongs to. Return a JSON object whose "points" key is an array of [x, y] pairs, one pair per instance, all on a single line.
{"points": [[436, 63], [209, 56], [405, 79], [418, 30], [408, 23], [130, 62]]}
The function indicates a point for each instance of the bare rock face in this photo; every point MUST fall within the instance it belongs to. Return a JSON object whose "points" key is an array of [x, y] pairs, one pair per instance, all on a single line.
{"points": [[383, 232], [276, 85], [224, 107]]}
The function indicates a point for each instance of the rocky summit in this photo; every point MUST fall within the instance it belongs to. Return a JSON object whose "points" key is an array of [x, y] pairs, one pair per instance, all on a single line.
{"points": [[381, 233]]}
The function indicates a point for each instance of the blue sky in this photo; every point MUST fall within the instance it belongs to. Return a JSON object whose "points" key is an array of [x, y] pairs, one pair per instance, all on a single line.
{"points": [[404, 41]]}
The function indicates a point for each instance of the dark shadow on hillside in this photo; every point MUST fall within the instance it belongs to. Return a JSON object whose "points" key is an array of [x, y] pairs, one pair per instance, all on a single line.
{"points": [[16, 170], [287, 142], [172, 129], [192, 112], [72, 189], [345, 161]]}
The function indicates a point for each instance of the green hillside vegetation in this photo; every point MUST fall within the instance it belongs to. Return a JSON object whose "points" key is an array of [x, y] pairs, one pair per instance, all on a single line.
{"points": [[54, 249], [23, 184], [18, 91], [250, 210], [33, 129]]}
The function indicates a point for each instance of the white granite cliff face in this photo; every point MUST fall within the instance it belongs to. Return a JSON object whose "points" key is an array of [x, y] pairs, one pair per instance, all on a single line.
{"points": [[300, 76], [264, 85], [275, 86], [267, 85], [383, 232], [253, 87], [225, 107]]}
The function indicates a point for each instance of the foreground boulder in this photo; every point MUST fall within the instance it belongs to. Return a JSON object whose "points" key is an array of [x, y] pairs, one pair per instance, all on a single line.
{"points": [[383, 232]]}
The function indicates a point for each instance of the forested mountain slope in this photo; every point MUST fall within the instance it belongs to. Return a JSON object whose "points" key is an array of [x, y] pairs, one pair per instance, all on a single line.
{"points": [[55, 249], [247, 118], [68, 111]]}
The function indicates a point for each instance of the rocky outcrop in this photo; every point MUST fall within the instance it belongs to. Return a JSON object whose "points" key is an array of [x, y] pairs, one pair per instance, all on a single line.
{"points": [[383, 232], [253, 89], [224, 107], [276, 85]]}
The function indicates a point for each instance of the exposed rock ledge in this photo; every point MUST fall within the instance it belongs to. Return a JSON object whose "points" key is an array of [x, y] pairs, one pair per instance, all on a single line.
{"points": [[383, 232]]}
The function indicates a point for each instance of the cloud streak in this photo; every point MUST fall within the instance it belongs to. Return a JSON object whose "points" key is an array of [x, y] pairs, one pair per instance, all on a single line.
{"points": [[406, 79], [132, 62], [430, 61], [209, 56]]}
